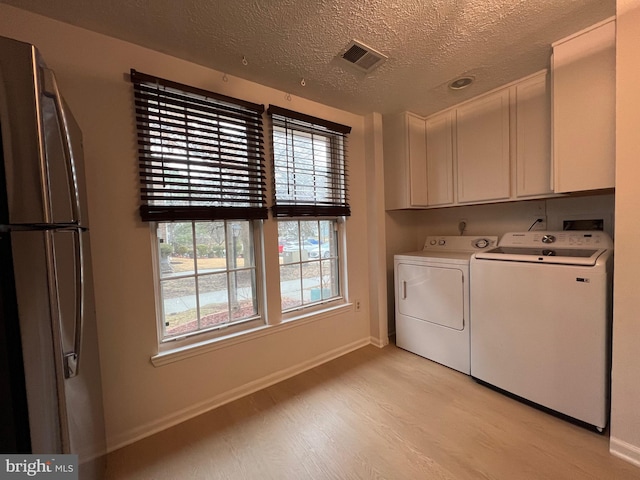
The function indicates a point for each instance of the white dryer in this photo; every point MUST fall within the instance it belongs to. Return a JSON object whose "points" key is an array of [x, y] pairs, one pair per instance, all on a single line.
{"points": [[432, 298]]}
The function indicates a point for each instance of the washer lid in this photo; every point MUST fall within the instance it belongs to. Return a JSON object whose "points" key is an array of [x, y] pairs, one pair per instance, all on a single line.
{"points": [[558, 247], [563, 256]]}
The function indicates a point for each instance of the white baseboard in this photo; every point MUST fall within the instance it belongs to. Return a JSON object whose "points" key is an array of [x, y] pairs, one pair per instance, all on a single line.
{"points": [[625, 451], [138, 433], [379, 342]]}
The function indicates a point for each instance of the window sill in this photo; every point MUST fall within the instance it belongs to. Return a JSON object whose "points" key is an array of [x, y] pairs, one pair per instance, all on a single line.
{"points": [[181, 353]]}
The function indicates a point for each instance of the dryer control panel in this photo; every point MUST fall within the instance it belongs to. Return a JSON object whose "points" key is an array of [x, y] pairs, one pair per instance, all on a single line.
{"points": [[459, 243]]}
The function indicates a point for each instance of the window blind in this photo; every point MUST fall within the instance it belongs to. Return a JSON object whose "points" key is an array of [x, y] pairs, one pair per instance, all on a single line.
{"points": [[201, 154], [309, 167]]}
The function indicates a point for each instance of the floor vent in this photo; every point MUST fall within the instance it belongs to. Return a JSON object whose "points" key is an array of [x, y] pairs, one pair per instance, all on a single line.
{"points": [[362, 57]]}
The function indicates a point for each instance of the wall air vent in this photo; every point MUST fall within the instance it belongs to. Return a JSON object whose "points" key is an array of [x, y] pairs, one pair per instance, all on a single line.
{"points": [[362, 57]]}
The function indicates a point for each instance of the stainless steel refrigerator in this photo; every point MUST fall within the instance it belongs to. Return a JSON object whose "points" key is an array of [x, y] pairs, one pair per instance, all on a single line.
{"points": [[50, 385]]}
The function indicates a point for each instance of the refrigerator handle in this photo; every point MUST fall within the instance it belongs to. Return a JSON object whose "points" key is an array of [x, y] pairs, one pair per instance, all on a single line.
{"points": [[72, 359], [51, 89]]}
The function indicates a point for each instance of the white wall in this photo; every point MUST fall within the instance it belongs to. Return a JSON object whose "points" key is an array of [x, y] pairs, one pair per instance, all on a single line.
{"points": [[140, 398], [625, 399]]}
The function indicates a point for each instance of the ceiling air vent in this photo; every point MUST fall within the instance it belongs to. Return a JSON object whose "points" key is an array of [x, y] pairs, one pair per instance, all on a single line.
{"points": [[362, 57]]}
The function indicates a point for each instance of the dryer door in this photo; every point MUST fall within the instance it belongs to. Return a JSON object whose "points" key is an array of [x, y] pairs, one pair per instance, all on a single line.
{"points": [[433, 294]]}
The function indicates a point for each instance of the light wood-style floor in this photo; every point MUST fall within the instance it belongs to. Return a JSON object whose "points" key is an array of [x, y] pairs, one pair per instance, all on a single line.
{"points": [[373, 414]]}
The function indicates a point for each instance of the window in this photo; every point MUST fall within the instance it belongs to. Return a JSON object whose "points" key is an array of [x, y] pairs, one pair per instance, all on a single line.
{"points": [[203, 192], [309, 267], [310, 198], [208, 275], [202, 179]]}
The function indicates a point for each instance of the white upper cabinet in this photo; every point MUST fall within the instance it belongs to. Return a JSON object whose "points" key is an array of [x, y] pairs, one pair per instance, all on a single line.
{"points": [[532, 138], [492, 148], [583, 99], [482, 141], [440, 159], [405, 152], [417, 160]]}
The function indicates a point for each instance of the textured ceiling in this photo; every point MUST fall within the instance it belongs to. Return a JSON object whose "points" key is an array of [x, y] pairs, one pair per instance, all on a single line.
{"points": [[428, 42]]}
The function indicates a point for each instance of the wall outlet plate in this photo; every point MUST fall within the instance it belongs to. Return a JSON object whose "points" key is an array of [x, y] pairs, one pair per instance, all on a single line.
{"points": [[538, 225], [463, 223]]}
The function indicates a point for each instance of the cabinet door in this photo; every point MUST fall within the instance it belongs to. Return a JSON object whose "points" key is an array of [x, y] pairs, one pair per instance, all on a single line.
{"points": [[417, 153], [583, 78], [533, 137], [482, 142], [405, 162], [440, 159]]}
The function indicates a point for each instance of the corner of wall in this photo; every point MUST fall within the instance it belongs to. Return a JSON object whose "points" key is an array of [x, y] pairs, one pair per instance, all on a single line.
{"points": [[625, 451], [374, 160]]}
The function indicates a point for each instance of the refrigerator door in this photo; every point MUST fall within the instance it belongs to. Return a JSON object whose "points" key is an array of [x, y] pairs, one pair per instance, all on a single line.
{"points": [[14, 420], [41, 142], [62, 153], [35, 307], [57, 320], [80, 353]]}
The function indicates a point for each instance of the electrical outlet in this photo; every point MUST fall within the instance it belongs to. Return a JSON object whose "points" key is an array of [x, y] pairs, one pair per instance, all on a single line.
{"points": [[462, 225], [356, 305], [538, 223]]}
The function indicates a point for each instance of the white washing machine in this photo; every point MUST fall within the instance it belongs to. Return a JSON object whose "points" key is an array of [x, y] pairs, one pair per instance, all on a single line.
{"points": [[432, 298], [541, 306]]}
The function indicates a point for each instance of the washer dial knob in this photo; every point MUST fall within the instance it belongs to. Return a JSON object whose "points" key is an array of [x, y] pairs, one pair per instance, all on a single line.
{"points": [[442, 242], [548, 238], [481, 243]]}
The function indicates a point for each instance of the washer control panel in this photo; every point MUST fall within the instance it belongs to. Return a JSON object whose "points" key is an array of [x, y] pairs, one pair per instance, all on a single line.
{"points": [[562, 239]]}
